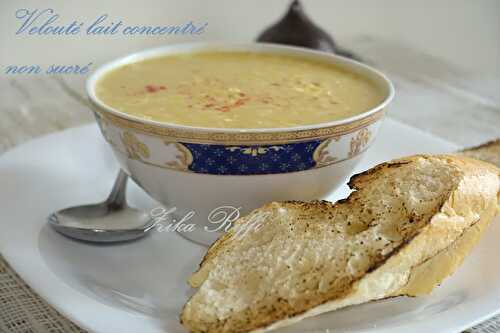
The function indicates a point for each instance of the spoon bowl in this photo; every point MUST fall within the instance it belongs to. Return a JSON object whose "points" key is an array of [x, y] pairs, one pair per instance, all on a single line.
{"points": [[106, 222], [94, 229]]}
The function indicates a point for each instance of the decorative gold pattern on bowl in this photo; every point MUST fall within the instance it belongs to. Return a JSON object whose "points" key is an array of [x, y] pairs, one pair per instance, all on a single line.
{"points": [[140, 142], [239, 138], [322, 156], [136, 149], [359, 141], [254, 151], [183, 158]]}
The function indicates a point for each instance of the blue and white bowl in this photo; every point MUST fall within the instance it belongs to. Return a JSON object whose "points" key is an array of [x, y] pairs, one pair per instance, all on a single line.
{"points": [[201, 169]]}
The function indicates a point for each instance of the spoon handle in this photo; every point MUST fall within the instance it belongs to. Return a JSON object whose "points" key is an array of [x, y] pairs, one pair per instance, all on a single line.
{"points": [[116, 199]]}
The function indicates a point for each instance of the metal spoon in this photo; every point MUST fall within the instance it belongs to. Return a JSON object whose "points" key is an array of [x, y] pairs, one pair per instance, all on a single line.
{"points": [[106, 222]]}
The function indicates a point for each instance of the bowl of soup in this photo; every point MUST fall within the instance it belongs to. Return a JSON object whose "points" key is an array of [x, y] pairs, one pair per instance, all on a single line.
{"points": [[216, 130]]}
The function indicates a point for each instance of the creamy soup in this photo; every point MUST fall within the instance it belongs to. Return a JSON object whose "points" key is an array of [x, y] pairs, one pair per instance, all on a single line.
{"points": [[237, 90]]}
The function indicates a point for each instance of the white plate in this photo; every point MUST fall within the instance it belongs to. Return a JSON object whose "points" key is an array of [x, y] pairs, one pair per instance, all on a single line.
{"points": [[140, 286]]}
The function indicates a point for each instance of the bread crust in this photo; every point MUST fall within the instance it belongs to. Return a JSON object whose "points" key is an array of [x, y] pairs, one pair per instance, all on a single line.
{"points": [[487, 152], [430, 262], [418, 265], [487, 145]]}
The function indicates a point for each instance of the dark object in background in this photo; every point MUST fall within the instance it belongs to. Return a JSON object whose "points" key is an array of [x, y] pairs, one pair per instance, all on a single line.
{"points": [[296, 29]]}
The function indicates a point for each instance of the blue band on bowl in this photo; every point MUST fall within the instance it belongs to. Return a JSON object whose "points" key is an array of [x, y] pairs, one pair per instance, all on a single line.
{"points": [[236, 158], [252, 160]]}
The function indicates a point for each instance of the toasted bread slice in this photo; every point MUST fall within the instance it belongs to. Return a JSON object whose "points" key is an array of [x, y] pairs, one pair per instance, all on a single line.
{"points": [[408, 224], [488, 152]]}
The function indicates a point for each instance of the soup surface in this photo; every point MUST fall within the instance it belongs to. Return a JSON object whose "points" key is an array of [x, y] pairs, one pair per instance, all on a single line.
{"points": [[237, 90]]}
